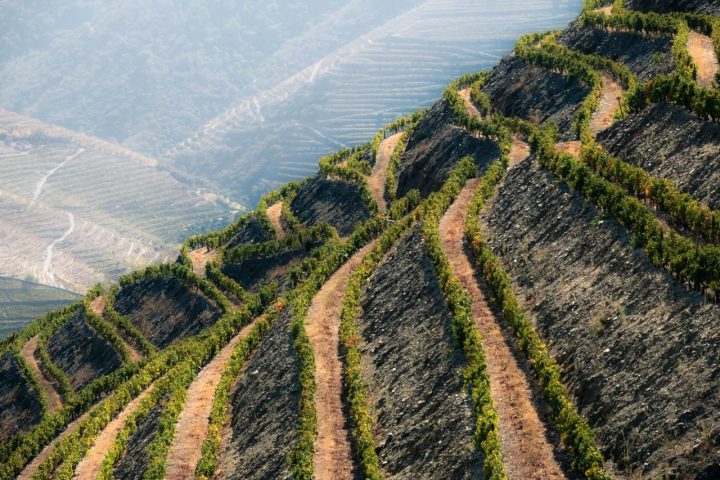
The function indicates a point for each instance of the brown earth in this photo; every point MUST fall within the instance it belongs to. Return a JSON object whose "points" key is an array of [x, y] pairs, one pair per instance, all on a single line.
{"points": [[333, 457], [274, 212], [199, 258], [606, 10], [525, 448], [376, 181], [609, 103], [465, 94], [89, 466], [519, 151], [702, 50], [192, 425], [28, 353], [572, 147]]}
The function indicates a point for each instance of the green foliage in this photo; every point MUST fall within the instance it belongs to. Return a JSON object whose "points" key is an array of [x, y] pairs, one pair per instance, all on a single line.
{"points": [[574, 430], [124, 324], [330, 168], [394, 127], [29, 375], [105, 329]]}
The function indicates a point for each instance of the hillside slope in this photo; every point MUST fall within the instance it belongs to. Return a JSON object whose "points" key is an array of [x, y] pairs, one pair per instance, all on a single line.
{"points": [[529, 301]]}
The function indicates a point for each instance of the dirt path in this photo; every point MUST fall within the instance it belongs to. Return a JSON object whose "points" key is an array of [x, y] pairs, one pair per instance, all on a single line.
{"points": [[28, 352], [89, 466], [97, 306], [609, 103], [274, 212], [607, 10], [192, 426], [519, 151], [527, 452], [465, 94], [572, 147], [32, 467], [376, 181], [333, 458], [703, 53], [199, 258]]}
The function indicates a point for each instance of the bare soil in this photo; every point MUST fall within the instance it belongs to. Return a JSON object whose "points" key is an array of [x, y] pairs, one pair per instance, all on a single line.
{"points": [[28, 352], [274, 212], [333, 453], [199, 258], [609, 103], [519, 151], [465, 94], [606, 10], [89, 467], [572, 147], [702, 51], [192, 425], [376, 181], [523, 442]]}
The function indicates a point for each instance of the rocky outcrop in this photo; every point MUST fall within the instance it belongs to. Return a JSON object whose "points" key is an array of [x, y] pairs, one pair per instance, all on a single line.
{"points": [[669, 142], [134, 461], [255, 272], [413, 368], [165, 310], [252, 232], [646, 56], [264, 410], [664, 6], [433, 149], [335, 202], [19, 403], [519, 89], [638, 349], [81, 352]]}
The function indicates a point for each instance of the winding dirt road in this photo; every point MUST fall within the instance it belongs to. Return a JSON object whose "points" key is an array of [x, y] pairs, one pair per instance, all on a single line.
{"points": [[702, 50], [274, 212], [524, 445], [612, 92], [465, 94], [192, 425], [376, 181], [28, 353], [333, 459]]}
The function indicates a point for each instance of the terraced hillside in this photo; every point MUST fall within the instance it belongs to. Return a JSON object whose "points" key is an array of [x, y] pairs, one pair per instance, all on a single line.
{"points": [[542, 303]]}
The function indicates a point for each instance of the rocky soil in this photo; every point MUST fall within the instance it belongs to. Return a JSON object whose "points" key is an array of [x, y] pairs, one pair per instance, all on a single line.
{"points": [[638, 349], [664, 6], [670, 142], [81, 352], [165, 310], [433, 149], [414, 370], [532, 93], [134, 460], [263, 411], [252, 232], [335, 202], [646, 56], [19, 403], [255, 272]]}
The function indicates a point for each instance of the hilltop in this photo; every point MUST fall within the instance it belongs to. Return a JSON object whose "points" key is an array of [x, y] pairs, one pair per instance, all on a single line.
{"points": [[520, 282]]}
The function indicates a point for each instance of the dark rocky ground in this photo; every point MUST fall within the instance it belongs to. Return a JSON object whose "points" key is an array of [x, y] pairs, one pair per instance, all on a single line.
{"points": [[414, 371], [165, 310], [335, 202], [664, 6], [533, 93], [433, 149], [81, 352], [252, 232], [670, 142], [19, 403], [264, 410], [254, 272], [646, 56], [638, 349], [134, 461]]}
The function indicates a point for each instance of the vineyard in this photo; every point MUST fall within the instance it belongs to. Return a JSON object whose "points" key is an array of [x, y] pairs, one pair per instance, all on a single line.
{"points": [[520, 282]]}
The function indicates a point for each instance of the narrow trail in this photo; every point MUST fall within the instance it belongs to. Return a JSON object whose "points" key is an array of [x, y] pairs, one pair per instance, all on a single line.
{"points": [[199, 258], [376, 181], [97, 306], [333, 458], [572, 147], [612, 92], [44, 179], [46, 276], [274, 212], [702, 50], [192, 425], [32, 467], [28, 352], [89, 466], [519, 151], [524, 445], [465, 94]]}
